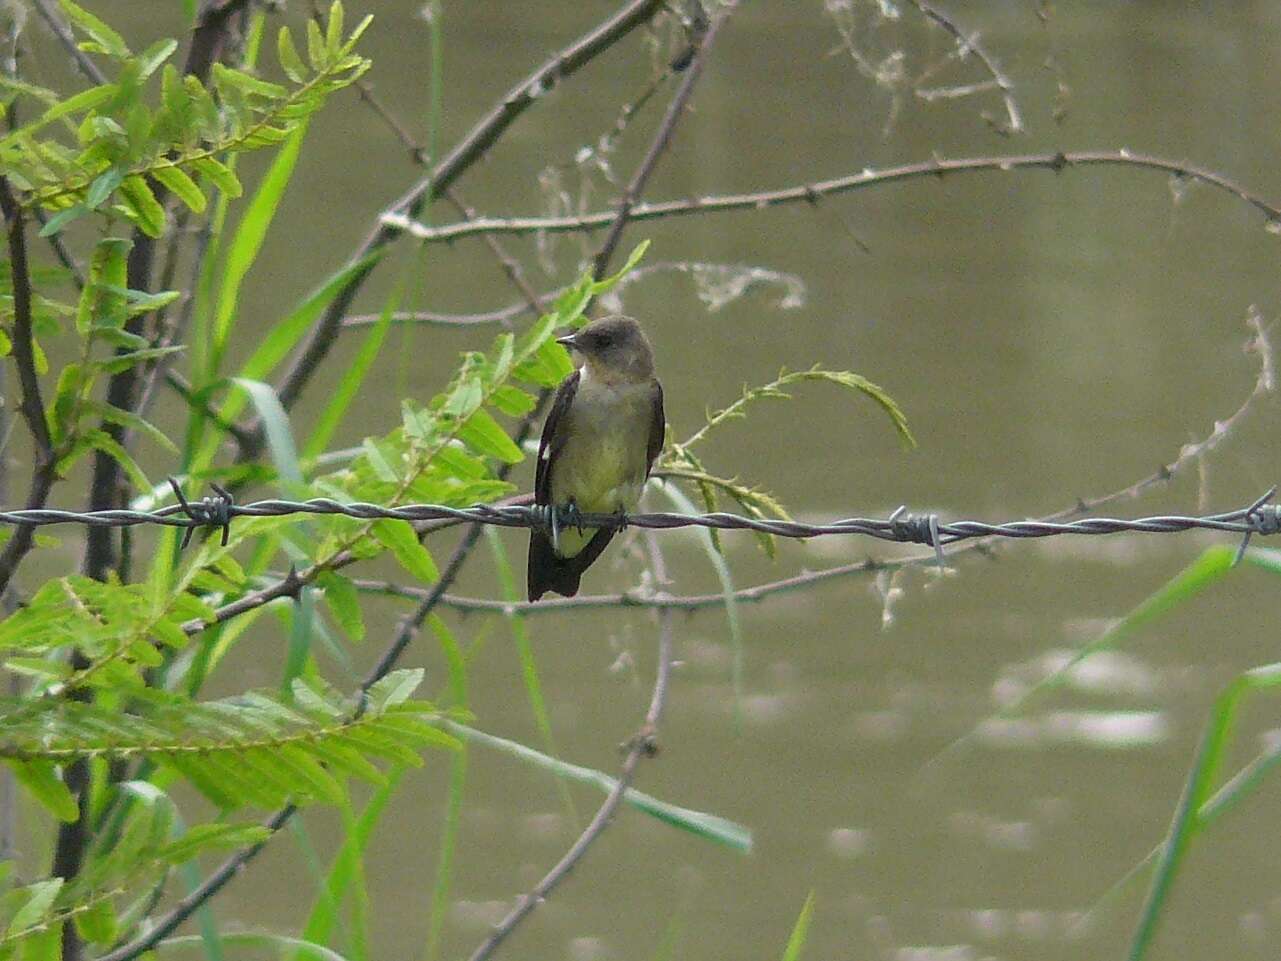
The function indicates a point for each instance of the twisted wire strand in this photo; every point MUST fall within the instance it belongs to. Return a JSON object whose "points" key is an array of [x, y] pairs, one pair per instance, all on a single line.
{"points": [[217, 512]]}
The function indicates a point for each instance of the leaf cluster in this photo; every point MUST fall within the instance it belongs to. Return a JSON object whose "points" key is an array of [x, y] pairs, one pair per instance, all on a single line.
{"points": [[111, 147]]}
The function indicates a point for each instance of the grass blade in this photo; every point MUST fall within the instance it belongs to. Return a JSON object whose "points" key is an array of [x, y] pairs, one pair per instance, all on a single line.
{"points": [[709, 826], [275, 425], [248, 239], [800, 930], [347, 870], [1210, 566], [256, 939], [1187, 818]]}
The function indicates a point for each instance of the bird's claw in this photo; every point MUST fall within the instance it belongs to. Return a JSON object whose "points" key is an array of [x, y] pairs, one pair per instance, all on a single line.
{"points": [[571, 516]]}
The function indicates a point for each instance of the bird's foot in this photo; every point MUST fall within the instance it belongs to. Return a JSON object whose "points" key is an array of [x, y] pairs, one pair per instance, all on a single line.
{"points": [[571, 516], [620, 519]]}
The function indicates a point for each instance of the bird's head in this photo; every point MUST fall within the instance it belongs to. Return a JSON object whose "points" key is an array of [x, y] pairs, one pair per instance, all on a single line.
{"points": [[613, 349]]}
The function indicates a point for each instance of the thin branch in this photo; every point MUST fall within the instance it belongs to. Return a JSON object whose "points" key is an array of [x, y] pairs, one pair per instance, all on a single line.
{"points": [[809, 193], [500, 315], [63, 32], [675, 110], [743, 275], [969, 44]]}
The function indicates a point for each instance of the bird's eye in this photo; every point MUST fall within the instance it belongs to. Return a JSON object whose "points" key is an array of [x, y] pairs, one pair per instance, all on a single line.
{"points": [[604, 340]]}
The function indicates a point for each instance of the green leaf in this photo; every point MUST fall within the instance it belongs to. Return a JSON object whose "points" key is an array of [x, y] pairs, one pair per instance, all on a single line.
{"points": [[484, 434], [600, 286], [183, 187], [275, 423], [102, 187], [250, 234], [225, 76], [267, 944], [39, 903], [221, 176], [395, 688], [100, 304], [97, 922], [142, 205], [41, 779], [212, 837], [333, 33], [399, 538], [316, 46], [513, 401], [110, 41], [121, 362], [705, 825], [290, 62], [127, 418], [84, 100], [58, 221], [800, 931], [156, 54], [101, 440]]}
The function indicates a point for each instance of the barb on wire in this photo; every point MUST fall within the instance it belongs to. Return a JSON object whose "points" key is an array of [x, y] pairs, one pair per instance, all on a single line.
{"points": [[207, 512], [1259, 517]]}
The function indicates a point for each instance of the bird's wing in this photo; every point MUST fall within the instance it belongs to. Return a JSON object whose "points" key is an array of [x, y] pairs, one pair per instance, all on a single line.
{"points": [[553, 438], [657, 428]]}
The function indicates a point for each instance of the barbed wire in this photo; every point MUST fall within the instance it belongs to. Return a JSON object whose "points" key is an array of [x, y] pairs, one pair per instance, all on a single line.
{"points": [[218, 510]]}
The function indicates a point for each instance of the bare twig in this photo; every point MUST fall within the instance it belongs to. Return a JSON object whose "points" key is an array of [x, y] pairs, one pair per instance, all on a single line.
{"points": [[658, 145], [967, 44], [500, 315], [808, 193]]}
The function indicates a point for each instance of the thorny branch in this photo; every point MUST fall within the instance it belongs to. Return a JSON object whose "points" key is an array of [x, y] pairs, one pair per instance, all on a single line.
{"points": [[811, 192]]}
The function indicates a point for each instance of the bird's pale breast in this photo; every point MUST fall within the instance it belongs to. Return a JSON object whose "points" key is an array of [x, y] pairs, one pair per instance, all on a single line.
{"points": [[602, 464]]}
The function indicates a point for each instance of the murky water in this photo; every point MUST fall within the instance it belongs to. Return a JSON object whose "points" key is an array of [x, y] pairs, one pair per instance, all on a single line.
{"points": [[1050, 336]]}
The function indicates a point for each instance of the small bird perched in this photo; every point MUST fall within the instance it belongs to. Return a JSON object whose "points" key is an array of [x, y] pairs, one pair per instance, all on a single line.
{"points": [[605, 428]]}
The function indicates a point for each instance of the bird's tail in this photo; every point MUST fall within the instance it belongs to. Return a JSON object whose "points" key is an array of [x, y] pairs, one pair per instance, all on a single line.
{"points": [[549, 572]]}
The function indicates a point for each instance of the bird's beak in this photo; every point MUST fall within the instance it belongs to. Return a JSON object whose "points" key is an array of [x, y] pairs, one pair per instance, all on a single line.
{"points": [[567, 341]]}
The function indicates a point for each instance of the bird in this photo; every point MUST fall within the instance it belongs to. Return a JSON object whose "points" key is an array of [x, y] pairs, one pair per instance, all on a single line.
{"points": [[598, 445]]}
